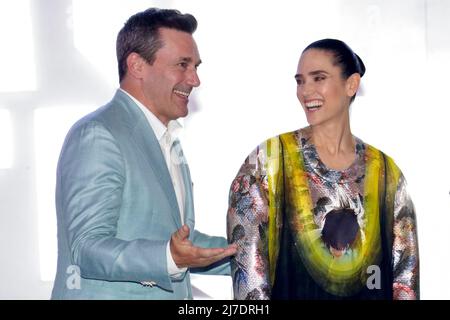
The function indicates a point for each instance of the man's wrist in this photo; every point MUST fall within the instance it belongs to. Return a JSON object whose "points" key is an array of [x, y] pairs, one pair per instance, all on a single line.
{"points": [[172, 268]]}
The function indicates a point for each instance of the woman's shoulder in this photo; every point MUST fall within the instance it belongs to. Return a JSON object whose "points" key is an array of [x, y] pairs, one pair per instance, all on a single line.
{"points": [[274, 144], [376, 153], [268, 152], [297, 134]]}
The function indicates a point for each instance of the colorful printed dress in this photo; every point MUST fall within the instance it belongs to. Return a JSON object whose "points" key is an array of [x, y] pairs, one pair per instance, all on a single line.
{"points": [[305, 231]]}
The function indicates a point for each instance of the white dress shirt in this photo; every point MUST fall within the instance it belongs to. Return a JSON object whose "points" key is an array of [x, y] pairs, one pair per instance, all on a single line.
{"points": [[166, 137]]}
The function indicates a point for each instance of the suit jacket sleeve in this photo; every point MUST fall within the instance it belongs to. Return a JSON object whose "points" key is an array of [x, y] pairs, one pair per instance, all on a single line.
{"points": [[91, 177]]}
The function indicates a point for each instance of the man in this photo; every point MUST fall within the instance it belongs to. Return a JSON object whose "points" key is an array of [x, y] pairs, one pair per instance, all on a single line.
{"points": [[124, 194]]}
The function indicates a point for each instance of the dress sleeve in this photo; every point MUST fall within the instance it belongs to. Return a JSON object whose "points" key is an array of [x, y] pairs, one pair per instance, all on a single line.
{"points": [[405, 247], [247, 221]]}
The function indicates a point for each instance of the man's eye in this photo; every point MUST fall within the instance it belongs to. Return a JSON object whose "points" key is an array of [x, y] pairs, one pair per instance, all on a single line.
{"points": [[183, 64], [299, 81]]}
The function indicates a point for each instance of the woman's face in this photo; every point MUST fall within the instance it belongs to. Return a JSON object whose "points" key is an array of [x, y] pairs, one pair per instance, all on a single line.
{"points": [[323, 93]]}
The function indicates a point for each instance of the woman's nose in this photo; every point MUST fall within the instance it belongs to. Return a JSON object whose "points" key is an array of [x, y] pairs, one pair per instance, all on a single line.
{"points": [[307, 89]]}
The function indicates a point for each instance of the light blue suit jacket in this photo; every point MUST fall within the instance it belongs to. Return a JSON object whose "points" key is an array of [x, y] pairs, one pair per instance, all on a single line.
{"points": [[116, 210]]}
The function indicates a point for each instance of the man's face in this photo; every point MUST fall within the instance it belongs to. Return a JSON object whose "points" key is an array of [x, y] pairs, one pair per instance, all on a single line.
{"points": [[167, 83]]}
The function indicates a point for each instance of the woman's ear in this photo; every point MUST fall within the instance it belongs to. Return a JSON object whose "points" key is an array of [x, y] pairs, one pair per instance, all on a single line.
{"points": [[352, 84]]}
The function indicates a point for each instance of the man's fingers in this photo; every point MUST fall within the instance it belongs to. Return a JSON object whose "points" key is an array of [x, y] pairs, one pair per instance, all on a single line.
{"points": [[231, 250], [226, 252], [185, 254], [182, 233], [207, 253], [216, 253]]}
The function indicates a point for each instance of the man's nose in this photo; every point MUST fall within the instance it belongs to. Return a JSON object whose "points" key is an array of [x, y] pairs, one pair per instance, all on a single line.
{"points": [[193, 79]]}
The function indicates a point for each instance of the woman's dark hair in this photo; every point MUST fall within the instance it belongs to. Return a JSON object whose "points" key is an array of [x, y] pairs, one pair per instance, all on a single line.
{"points": [[343, 55], [140, 34]]}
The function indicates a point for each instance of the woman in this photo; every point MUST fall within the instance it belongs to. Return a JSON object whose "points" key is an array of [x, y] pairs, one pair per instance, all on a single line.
{"points": [[317, 213]]}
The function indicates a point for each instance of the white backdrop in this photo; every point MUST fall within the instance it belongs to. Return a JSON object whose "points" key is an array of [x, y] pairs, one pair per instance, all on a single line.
{"points": [[58, 62]]}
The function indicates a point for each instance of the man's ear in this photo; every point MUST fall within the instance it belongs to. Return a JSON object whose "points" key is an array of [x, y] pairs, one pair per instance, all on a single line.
{"points": [[135, 65], [352, 84]]}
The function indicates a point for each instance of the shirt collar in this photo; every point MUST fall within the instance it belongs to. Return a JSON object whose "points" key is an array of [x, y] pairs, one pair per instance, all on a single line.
{"points": [[174, 126]]}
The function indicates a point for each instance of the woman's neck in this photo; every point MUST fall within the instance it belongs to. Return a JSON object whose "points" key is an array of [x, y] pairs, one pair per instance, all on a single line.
{"points": [[333, 138], [335, 145]]}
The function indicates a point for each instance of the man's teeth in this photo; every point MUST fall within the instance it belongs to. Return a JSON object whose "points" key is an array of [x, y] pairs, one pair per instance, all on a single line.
{"points": [[314, 105], [186, 94]]}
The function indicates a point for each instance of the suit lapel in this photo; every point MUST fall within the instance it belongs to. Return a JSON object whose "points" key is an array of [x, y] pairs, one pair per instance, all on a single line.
{"points": [[149, 146]]}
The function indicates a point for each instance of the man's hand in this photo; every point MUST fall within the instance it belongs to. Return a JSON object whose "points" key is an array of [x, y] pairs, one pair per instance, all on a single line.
{"points": [[185, 254]]}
